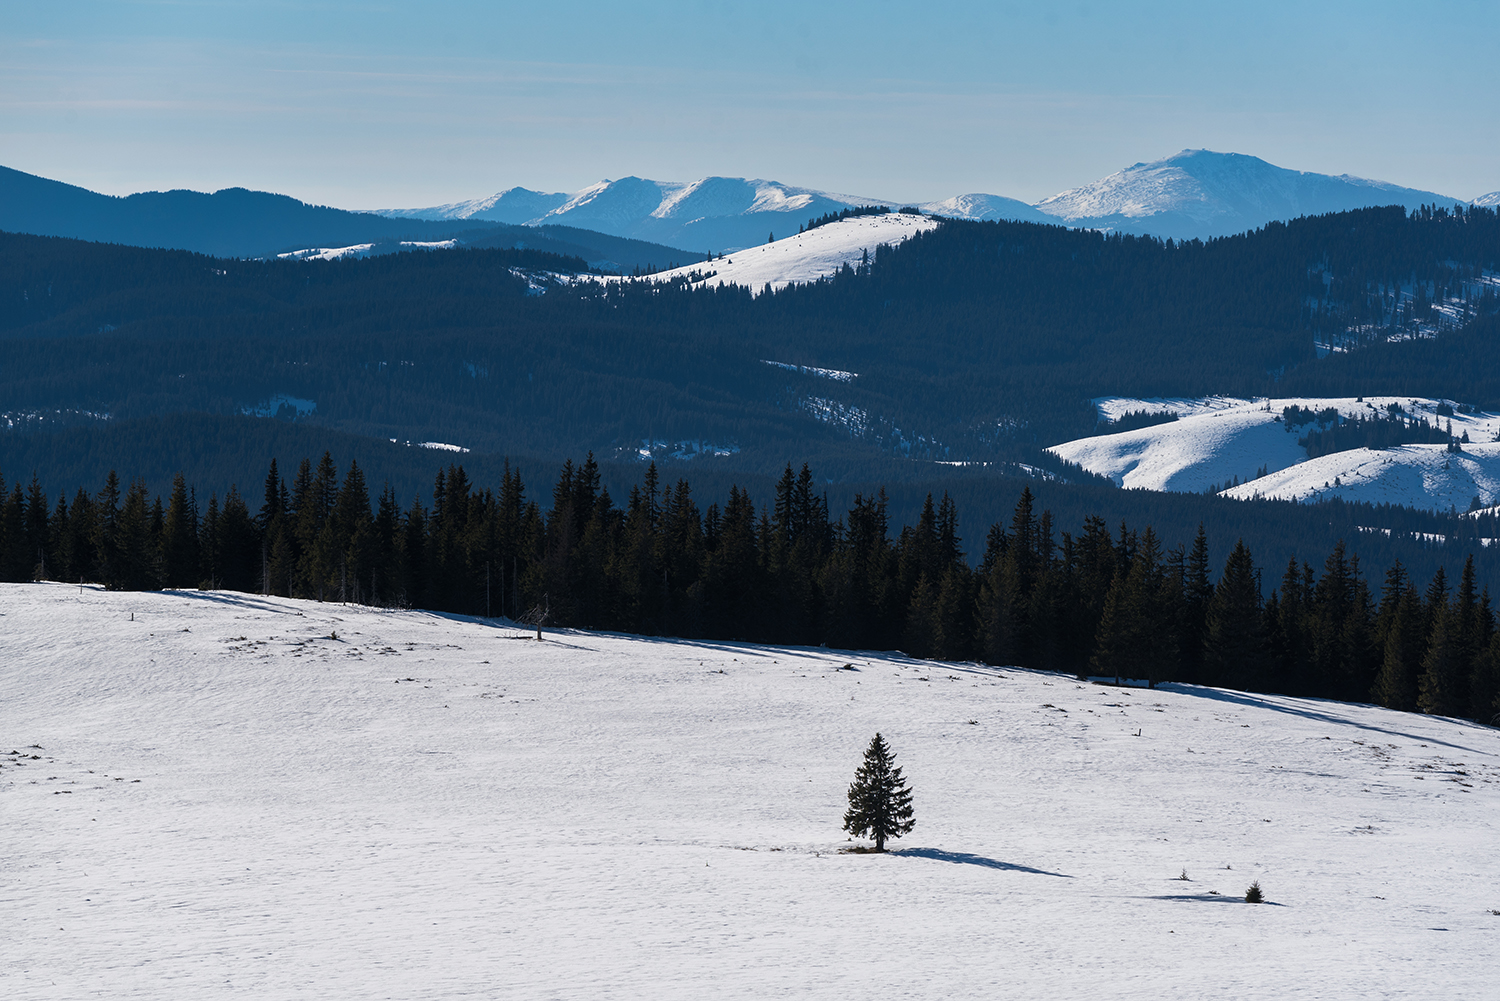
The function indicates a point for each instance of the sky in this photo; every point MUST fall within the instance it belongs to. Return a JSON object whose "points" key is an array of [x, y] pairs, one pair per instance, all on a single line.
{"points": [[386, 105]]}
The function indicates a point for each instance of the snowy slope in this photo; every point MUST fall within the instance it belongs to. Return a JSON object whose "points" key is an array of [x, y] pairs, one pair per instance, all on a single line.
{"points": [[1419, 476], [210, 796], [1201, 193], [1189, 455], [1490, 200], [1219, 440], [803, 257]]}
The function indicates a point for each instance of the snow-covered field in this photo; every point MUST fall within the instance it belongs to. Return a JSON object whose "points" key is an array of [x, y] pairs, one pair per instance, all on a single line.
{"points": [[805, 257], [209, 795], [1219, 439]]}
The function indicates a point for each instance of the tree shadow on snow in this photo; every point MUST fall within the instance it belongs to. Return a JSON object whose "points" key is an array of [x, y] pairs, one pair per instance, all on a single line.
{"points": [[238, 599], [965, 858], [1320, 710], [1211, 898]]}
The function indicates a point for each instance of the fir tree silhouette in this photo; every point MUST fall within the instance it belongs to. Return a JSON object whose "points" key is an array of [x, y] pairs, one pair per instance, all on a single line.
{"points": [[879, 801]]}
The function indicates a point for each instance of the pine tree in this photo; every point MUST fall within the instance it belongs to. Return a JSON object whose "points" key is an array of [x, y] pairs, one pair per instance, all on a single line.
{"points": [[1484, 684], [1443, 682], [1396, 684], [38, 536], [1233, 644], [1197, 592], [15, 562], [879, 801], [105, 539], [179, 544]]}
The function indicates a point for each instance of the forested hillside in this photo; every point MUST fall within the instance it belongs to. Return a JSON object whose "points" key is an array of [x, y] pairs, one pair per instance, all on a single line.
{"points": [[974, 342]]}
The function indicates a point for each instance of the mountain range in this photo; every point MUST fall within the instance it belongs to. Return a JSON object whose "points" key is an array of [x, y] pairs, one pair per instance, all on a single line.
{"points": [[1194, 194]]}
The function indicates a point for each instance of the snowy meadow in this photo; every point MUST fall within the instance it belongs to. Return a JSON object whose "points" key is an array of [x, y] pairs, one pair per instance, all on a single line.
{"points": [[219, 794]]}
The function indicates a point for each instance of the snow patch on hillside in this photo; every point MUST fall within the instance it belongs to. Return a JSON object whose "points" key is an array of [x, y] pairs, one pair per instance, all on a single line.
{"points": [[209, 794], [360, 250], [1190, 455], [1219, 441], [1112, 408], [836, 374], [806, 257], [686, 450], [1419, 476], [328, 253]]}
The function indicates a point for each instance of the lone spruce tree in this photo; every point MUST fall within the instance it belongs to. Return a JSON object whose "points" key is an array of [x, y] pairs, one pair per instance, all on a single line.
{"points": [[879, 802]]}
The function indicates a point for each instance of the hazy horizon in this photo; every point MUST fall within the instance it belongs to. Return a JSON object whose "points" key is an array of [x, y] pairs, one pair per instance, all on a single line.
{"points": [[383, 107]]}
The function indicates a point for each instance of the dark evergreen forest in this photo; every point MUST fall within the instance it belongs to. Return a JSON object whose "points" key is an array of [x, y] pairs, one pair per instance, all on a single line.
{"points": [[218, 452], [974, 341], [1094, 600]]}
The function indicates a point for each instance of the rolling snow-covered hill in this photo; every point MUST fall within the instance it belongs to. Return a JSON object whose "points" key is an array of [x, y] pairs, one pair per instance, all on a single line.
{"points": [[1418, 476], [1219, 441], [803, 257], [217, 794]]}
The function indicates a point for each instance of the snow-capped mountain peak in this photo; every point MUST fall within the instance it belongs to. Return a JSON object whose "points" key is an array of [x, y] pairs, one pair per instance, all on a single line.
{"points": [[513, 206], [718, 213], [1203, 193]]}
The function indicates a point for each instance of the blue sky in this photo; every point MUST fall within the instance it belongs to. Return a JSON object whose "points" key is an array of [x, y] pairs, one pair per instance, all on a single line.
{"points": [[393, 104]]}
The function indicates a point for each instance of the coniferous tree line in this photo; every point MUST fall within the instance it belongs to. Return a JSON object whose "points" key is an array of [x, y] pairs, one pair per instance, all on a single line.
{"points": [[1116, 603], [1330, 432], [849, 213]]}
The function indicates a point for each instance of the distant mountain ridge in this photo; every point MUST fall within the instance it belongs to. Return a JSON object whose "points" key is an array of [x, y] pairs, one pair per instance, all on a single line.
{"points": [[232, 222], [235, 222], [712, 213], [1194, 193]]}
